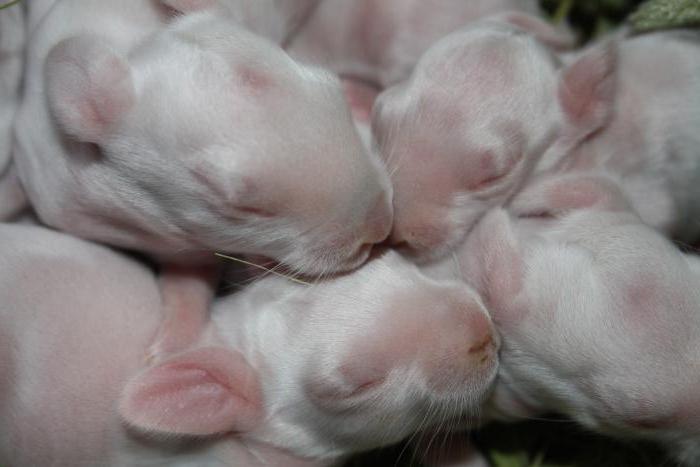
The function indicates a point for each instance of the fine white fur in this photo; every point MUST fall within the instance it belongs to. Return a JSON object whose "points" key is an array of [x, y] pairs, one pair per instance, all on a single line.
{"points": [[215, 134], [599, 318], [77, 331]]}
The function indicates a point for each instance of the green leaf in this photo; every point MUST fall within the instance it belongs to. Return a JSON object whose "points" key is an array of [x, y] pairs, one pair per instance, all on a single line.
{"points": [[520, 459], [9, 4], [506, 459], [666, 14]]}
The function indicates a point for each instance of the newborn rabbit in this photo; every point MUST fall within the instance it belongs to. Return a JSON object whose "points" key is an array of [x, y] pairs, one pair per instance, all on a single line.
{"points": [[599, 315], [489, 107], [197, 137], [284, 374], [465, 131]]}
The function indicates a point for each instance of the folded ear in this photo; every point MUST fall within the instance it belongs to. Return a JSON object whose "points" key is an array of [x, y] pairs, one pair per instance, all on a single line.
{"points": [[557, 194], [89, 86], [495, 264], [199, 392], [587, 91], [556, 38], [187, 6]]}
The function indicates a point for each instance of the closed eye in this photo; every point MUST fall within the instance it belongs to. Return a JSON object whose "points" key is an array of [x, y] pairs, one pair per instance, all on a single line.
{"points": [[492, 173], [246, 213], [254, 212], [488, 182]]}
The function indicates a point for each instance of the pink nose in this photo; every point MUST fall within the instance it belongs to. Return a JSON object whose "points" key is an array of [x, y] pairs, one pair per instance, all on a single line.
{"points": [[463, 346], [444, 333]]}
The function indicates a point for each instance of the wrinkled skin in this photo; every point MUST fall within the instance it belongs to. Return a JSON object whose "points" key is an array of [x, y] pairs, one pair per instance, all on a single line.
{"points": [[289, 374]]}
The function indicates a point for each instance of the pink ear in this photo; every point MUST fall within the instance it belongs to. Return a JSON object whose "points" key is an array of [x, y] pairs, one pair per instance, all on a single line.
{"points": [[495, 264], [587, 91], [186, 6], [89, 86], [360, 97], [558, 39], [557, 194], [200, 392]]}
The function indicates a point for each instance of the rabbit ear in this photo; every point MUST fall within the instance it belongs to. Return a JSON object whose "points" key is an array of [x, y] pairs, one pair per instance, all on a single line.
{"points": [[495, 264], [89, 86], [556, 195], [587, 91], [200, 392]]}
